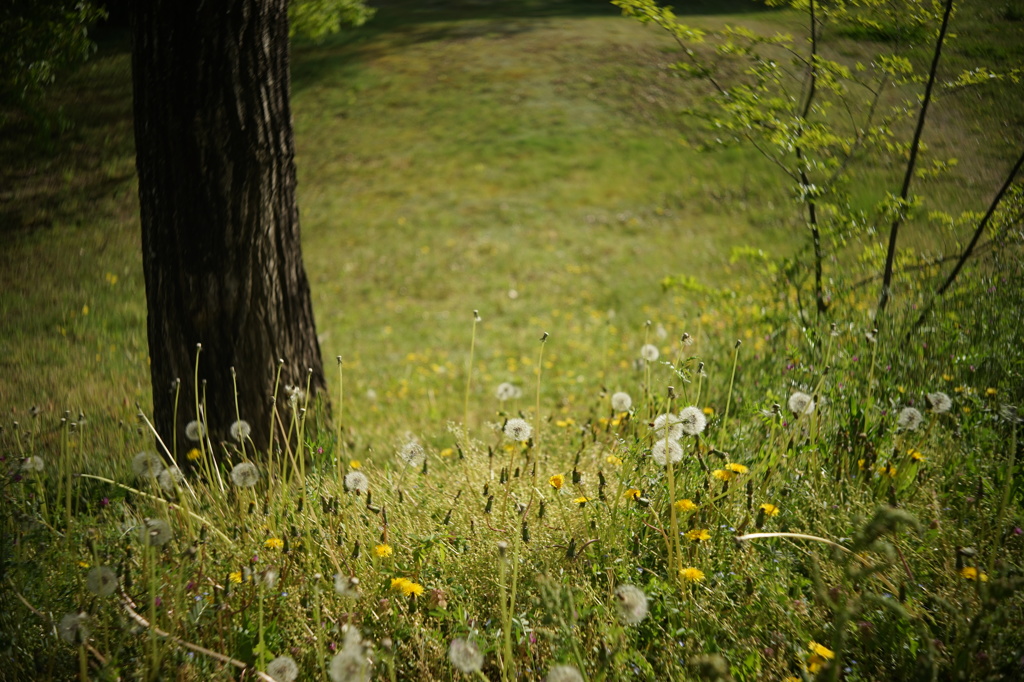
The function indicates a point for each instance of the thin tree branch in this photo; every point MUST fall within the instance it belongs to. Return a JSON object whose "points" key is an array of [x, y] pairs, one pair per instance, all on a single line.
{"points": [[915, 146], [974, 240]]}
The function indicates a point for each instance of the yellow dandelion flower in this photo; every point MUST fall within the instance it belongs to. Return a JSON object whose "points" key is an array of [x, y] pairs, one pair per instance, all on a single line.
{"points": [[632, 493], [822, 651], [274, 543], [83, 564], [569, 421], [736, 468], [769, 509], [916, 455], [235, 576], [709, 411], [862, 464], [991, 391], [557, 481], [971, 573], [616, 421], [693, 575], [686, 505], [383, 551], [354, 464], [406, 587], [887, 470], [194, 454], [815, 663], [698, 535], [947, 377], [723, 475], [447, 452], [613, 460], [581, 500]]}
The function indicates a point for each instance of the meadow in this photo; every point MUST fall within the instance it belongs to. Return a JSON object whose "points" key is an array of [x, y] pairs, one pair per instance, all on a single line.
{"points": [[582, 428]]}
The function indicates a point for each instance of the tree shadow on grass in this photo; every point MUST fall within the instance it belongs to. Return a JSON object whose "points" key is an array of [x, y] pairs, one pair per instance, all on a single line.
{"points": [[403, 23]]}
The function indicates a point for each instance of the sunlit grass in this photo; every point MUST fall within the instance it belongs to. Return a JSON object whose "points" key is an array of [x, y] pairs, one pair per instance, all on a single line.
{"points": [[524, 167]]}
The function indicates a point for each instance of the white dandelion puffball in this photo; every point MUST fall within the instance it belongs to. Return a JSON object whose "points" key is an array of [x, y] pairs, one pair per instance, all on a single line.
{"points": [[666, 451], [147, 465], [169, 478], [563, 673], [667, 424], [507, 391], [195, 430], [412, 453], [801, 403], [155, 532], [101, 581], [692, 421], [910, 418], [351, 664], [283, 669], [649, 352], [74, 627], [356, 482], [465, 655], [347, 586], [33, 464], [621, 402], [631, 604], [240, 430], [939, 402], [245, 475], [518, 429]]}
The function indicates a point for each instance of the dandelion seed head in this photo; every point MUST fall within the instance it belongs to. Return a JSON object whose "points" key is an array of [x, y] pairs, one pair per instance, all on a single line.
{"points": [[283, 669], [101, 581], [563, 673], [664, 451], [465, 655], [351, 664], [518, 429], [668, 424], [412, 453], [240, 430], [195, 430], [155, 532], [74, 627], [347, 586], [910, 418], [800, 403], [245, 475], [649, 352], [147, 465], [692, 420], [621, 402], [33, 464], [357, 482], [507, 391], [169, 478], [939, 402], [631, 604]]}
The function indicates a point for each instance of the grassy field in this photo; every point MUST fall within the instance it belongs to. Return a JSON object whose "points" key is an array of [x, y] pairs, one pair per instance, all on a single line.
{"points": [[527, 160]]}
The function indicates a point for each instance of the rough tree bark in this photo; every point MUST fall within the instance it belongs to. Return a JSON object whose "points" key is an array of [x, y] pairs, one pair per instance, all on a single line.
{"points": [[220, 227]]}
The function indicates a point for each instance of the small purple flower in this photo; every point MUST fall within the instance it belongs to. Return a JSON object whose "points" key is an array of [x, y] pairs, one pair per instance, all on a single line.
{"points": [[105, 502]]}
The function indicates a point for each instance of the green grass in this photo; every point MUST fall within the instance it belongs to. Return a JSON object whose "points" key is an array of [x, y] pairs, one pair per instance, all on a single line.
{"points": [[527, 160]]}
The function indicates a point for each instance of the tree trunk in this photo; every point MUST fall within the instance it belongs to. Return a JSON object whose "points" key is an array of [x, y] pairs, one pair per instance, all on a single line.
{"points": [[220, 227]]}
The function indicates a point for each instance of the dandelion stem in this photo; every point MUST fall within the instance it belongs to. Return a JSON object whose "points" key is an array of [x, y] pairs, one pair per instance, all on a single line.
{"points": [[540, 369], [732, 379], [469, 371], [339, 449]]}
